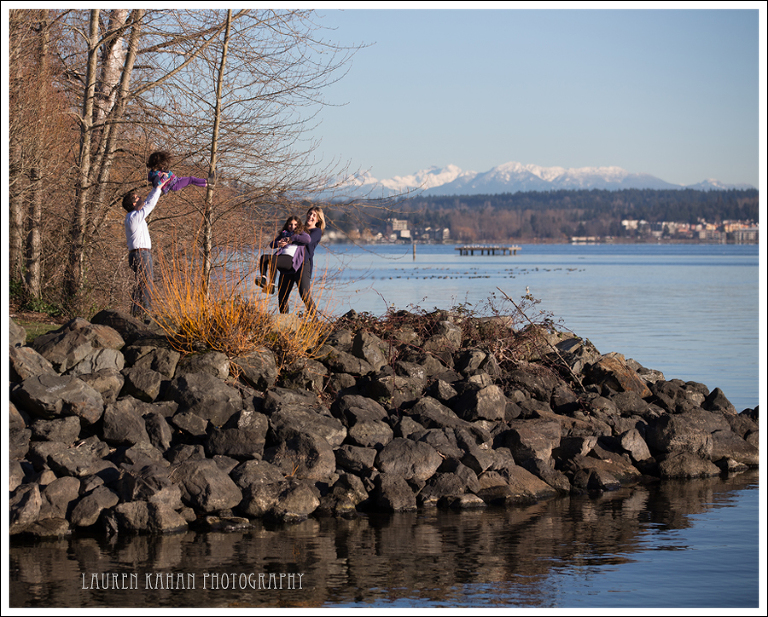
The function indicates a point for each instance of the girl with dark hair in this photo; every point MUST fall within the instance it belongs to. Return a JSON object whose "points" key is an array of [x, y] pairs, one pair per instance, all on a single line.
{"points": [[159, 163], [284, 255]]}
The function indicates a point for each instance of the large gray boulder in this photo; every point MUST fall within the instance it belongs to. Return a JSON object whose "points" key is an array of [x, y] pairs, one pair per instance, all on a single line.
{"points": [[50, 396], [205, 396], [205, 487], [410, 460], [25, 362]]}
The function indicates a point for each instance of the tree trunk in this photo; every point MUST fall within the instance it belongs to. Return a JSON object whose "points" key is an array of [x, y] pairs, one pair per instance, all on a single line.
{"points": [[74, 280], [16, 181], [108, 145], [208, 212], [34, 242]]}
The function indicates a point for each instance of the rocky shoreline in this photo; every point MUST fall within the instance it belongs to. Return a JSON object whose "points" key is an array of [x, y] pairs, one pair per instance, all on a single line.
{"points": [[112, 431]]}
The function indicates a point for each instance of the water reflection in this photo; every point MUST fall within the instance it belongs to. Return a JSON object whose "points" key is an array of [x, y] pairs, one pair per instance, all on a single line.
{"points": [[496, 557]]}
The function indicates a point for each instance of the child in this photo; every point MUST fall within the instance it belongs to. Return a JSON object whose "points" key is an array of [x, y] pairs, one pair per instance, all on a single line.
{"points": [[159, 164], [268, 264]]}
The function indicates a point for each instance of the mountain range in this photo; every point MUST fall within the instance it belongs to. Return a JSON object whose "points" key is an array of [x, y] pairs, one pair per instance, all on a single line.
{"points": [[513, 177]]}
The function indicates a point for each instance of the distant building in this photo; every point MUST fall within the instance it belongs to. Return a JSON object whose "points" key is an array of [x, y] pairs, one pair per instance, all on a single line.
{"points": [[749, 235]]}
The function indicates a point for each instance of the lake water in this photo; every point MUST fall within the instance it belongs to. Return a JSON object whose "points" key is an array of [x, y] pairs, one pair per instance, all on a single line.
{"points": [[690, 311]]}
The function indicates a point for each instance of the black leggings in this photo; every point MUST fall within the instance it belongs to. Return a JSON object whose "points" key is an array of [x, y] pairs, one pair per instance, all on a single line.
{"points": [[289, 278]]}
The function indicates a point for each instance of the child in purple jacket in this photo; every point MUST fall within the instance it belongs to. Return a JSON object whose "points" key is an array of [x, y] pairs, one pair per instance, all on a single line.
{"points": [[159, 163]]}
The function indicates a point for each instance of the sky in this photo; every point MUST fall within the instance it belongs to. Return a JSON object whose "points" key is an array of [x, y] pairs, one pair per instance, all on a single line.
{"points": [[673, 93]]}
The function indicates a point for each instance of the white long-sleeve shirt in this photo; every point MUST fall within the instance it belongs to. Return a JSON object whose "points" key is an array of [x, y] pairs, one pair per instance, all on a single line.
{"points": [[136, 230]]}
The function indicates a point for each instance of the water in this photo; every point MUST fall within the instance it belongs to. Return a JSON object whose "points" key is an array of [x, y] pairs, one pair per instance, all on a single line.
{"points": [[689, 311], [679, 545]]}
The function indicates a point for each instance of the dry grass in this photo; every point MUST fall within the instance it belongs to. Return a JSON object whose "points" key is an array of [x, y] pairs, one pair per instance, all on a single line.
{"points": [[231, 315]]}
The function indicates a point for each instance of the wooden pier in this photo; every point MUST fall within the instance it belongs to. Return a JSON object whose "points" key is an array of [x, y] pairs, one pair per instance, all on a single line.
{"points": [[484, 249]]}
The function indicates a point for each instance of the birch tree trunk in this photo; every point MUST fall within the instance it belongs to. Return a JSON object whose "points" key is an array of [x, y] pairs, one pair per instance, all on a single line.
{"points": [[208, 212], [74, 279]]}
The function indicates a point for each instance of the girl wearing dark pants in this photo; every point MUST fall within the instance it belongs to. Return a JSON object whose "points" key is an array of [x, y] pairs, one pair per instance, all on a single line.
{"points": [[303, 275]]}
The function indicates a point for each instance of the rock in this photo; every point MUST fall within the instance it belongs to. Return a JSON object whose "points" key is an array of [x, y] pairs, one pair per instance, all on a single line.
{"points": [[148, 482], [142, 383], [370, 348], [298, 419], [408, 459], [717, 401], [49, 396], [243, 437], [462, 502], [340, 361], [250, 473], [123, 425], [689, 432], [393, 494], [129, 328], [64, 430], [132, 516], [357, 460], [633, 443], [107, 382], [259, 499], [306, 456], [440, 486], [611, 371], [205, 487], [486, 403], [617, 467], [164, 519], [88, 509], [156, 359], [345, 495], [305, 374], [159, 431], [24, 506], [69, 345], [190, 423], [684, 464], [49, 528], [430, 413], [258, 369], [25, 362], [727, 445], [205, 396], [539, 385], [17, 335], [59, 498], [294, 503], [395, 390], [531, 439], [98, 360], [71, 462], [212, 363], [522, 487]]}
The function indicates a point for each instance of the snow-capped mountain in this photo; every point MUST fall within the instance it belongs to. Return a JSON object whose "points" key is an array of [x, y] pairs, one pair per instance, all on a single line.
{"points": [[513, 177]]}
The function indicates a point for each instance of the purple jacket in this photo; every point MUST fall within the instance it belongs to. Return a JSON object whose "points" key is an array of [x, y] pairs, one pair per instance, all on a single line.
{"points": [[300, 240]]}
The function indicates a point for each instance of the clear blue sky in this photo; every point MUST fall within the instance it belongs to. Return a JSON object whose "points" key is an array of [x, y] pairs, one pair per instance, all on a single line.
{"points": [[673, 93]]}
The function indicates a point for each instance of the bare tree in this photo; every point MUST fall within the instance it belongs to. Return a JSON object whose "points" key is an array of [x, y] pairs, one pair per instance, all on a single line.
{"points": [[248, 99]]}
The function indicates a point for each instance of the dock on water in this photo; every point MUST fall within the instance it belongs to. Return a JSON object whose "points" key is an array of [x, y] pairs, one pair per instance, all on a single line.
{"points": [[484, 249]]}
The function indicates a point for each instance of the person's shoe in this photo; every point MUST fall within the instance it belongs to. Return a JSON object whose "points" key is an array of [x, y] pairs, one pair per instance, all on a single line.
{"points": [[261, 281], [270, 289]]}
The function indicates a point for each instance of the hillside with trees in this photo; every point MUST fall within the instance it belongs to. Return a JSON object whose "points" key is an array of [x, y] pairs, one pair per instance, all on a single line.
{"points": [[559, 215]]}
